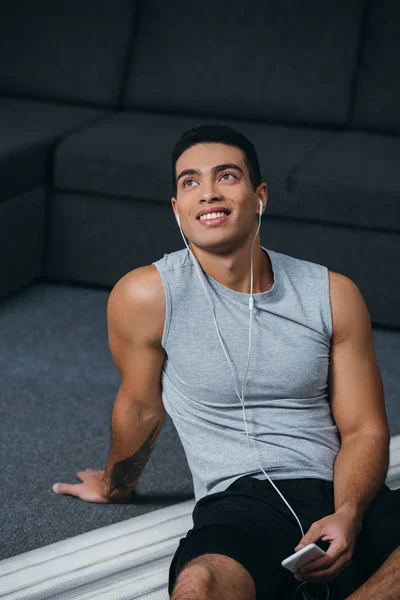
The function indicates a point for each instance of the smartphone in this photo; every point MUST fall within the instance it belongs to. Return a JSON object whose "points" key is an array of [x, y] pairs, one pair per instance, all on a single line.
{"points": [[302, 557]]}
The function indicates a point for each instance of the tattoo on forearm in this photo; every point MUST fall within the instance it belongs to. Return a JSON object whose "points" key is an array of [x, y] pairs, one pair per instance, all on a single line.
{"points": [[127, 472]]}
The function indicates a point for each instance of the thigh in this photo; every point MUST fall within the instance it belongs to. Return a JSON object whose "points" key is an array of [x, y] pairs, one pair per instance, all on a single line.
{"points": [[251, 523], [380, 534]]}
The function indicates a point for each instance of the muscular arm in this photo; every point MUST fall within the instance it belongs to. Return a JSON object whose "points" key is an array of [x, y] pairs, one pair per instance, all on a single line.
{"points": [[135, 314], [357, 402], [359, 473]]}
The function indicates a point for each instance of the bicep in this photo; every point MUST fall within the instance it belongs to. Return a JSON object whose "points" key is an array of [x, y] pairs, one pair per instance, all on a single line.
{"points": [[355, 381], [133, 337]]}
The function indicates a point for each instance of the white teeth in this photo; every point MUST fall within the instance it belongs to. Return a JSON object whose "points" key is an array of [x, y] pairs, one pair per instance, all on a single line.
{"points": [[210, 216]]}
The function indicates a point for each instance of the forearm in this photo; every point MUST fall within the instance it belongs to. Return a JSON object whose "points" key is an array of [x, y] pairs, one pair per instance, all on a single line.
{"points": [[133, 437], [360, 470]]}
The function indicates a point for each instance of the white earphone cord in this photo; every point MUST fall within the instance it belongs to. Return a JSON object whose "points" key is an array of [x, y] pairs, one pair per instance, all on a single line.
{"points": [[248, 358]]}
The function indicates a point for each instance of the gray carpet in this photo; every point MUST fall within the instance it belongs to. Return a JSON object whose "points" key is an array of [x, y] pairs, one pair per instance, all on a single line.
{"points": [[58, 385]]}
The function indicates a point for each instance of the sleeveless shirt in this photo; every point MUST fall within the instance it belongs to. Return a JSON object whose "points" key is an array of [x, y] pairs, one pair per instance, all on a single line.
{"points": [[286, 395]]}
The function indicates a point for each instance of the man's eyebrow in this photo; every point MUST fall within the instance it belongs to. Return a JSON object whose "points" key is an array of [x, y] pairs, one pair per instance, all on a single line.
{"points": [[216, 169]]}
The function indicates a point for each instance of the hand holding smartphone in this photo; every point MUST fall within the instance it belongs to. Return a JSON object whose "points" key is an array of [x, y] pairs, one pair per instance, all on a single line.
{"points": [[302, 557]]}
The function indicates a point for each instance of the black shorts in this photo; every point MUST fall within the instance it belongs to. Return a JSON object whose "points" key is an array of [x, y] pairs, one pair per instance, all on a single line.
{"points": [[250, 523]]}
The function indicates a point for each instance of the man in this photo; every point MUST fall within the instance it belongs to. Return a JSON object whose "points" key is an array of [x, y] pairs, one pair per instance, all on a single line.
{"points": [[314, 397]]}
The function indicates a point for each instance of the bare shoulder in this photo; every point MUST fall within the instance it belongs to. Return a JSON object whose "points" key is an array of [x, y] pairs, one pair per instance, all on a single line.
{"points": [[143, 282], [139, 294], [349, 310]]}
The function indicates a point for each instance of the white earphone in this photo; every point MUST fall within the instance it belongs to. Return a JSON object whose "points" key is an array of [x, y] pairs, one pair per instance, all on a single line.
{"points": [[260, 204], [241, 398]]}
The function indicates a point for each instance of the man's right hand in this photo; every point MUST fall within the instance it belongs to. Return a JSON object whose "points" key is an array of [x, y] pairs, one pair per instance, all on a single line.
{"points": [[91, 490]]}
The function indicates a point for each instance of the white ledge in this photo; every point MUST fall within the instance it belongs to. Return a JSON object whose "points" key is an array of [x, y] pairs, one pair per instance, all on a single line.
{"points": [[124, 561]]}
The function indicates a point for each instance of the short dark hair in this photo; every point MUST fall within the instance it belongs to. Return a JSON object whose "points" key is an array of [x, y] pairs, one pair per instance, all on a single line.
{"points": [[218, 134]]}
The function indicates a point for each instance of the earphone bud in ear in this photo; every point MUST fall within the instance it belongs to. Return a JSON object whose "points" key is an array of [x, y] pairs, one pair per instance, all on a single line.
{"points": [[261, 205], [178, 220]]}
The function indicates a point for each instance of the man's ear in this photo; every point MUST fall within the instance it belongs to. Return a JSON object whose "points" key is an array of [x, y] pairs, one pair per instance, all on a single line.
{"points": [[262, 194], [173, 202]]}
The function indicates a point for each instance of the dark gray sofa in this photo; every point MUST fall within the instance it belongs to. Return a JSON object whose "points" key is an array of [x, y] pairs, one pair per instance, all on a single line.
{"points": [[94, 95]]}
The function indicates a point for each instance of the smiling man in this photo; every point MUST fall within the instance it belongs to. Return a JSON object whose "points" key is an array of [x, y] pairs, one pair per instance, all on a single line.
{"points": [[316, 454]]}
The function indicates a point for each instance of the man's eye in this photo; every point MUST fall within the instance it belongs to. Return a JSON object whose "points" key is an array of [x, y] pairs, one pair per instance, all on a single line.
{"points": [[185, 182], [223, 175]]}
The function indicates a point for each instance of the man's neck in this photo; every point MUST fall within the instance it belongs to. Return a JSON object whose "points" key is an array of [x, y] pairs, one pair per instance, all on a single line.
{"points": [[233, 272]]}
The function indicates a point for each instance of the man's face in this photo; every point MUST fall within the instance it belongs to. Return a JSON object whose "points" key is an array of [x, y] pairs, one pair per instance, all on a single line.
{"points": [[213, 186]]}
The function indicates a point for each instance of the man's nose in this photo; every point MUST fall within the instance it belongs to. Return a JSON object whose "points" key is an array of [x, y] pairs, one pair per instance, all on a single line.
{"points": [[210, 191]]}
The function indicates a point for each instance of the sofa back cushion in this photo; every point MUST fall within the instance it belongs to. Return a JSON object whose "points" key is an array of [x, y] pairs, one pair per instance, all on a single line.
{"points": [[377, 105], [72, 51], [285, 61]]}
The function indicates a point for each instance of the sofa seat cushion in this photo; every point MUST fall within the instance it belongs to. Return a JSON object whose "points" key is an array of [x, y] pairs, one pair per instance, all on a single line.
{"points": [[353, 180], [129, 154], [29, 131]]}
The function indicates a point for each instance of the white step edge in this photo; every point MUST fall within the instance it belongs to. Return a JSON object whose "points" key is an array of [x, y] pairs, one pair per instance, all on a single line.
{"points": [[124, 561], [393, 474]]}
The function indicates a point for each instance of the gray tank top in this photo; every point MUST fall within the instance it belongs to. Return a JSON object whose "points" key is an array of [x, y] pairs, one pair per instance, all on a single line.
{"points": [[286, 394]]}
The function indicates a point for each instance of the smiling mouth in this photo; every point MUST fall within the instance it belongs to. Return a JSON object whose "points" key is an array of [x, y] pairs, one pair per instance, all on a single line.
{"points": [[213, 220]]}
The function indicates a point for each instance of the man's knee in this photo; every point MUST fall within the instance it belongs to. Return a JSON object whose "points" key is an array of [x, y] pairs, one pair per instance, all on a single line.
{"points": [[220, 575]]}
